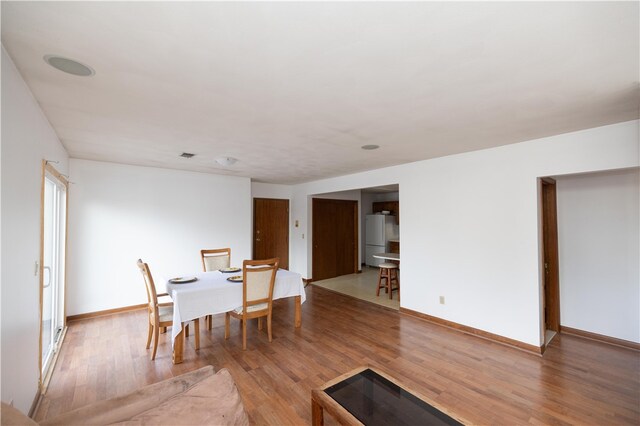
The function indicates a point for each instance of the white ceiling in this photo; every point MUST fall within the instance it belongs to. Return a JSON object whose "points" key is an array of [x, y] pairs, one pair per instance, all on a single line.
{"points": [[293, 90]]}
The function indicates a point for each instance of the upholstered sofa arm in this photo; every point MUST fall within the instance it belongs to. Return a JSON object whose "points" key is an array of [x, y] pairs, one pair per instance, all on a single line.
{"points": [[199, 397]]}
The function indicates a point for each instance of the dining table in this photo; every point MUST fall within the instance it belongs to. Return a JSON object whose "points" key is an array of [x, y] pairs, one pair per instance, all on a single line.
{"points": [[207, 293]]}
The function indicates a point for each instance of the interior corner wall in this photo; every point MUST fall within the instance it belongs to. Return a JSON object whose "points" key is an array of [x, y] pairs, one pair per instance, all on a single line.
{"points": [[120, 213], [470, 224], [366, 200], [598, 243], [27, 139]]}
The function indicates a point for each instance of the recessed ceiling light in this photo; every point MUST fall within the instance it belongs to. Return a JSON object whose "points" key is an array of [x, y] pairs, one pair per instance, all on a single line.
{"points": [[69, 65], [226, 161], [370, 147], [187, 155]]}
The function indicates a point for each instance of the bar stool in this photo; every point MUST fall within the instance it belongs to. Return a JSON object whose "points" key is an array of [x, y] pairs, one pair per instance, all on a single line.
{"points": [[388, 271]]}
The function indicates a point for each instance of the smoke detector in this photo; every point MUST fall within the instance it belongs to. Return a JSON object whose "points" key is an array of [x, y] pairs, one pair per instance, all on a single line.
{"points": [[226, 161]]}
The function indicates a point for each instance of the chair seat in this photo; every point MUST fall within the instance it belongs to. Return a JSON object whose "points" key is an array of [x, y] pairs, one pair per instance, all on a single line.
{"points": [[252, 308], [165, 313], [388, 265]]}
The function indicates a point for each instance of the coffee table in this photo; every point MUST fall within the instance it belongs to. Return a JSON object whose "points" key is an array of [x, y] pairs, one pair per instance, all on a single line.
{"points": [[367, 396]]}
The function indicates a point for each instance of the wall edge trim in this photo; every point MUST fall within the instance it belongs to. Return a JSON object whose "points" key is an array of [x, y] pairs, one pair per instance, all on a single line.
{"points": [[627, 344], [95, 314], [35, 404], [516, 344]]}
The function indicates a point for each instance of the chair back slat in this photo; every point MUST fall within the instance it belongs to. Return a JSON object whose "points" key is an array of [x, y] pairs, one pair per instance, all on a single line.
{"points": [[258, 280], [258, 285], [152, 295], [214, 259]]}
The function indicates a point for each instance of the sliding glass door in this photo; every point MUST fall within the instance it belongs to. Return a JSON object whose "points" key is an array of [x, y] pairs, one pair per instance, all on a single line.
{"points": [[54, 214]]}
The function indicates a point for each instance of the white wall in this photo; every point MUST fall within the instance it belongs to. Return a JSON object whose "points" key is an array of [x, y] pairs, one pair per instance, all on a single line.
{"points": [[119, 213], [367, 199], [268, 190], [598, 237], [27, 139], [470, 224]]}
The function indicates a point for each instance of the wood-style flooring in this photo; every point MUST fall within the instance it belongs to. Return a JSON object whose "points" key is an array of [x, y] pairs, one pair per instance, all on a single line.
{"points": [[577, 381]]}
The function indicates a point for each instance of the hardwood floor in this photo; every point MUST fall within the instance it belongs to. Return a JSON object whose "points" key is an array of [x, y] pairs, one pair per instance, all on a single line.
{"points": [[578, 381]]}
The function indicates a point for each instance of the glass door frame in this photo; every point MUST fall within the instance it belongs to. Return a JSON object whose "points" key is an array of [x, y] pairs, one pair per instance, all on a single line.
{"points": [[49, 172]]}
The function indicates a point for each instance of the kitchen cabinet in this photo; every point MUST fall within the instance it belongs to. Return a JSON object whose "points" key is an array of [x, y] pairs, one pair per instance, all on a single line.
{"points": [[394, 246], [392, 206]]}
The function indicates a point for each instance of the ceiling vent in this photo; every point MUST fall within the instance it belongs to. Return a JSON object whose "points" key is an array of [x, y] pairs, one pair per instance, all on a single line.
{"points": [[187, 155]]}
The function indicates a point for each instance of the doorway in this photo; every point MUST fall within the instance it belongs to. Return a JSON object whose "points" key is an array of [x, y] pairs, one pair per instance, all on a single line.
{"points": [[335, 238], [271, 230], [52, 267], [551, 294]]}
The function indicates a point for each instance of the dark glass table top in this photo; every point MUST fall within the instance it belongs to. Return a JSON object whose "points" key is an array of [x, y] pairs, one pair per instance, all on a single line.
{"points": [[374, 400]]}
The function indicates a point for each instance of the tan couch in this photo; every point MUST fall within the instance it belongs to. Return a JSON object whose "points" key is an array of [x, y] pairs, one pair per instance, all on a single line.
{"points": [[196, 398]]}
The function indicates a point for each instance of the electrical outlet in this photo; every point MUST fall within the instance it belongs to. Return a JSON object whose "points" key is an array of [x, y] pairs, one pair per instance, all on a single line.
{"points": [[303, 236], [442, 300], [11, 402]]}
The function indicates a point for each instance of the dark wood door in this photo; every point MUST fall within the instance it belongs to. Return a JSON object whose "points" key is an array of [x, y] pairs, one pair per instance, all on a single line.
{"points": [[550, 249], [271, 230], [335, 236]]}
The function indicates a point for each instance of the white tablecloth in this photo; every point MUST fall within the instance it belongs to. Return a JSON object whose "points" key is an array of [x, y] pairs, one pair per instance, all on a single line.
{"points": [[213, 294]]}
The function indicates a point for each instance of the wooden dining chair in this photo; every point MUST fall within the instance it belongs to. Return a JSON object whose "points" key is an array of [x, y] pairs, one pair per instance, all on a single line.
{"points": [[212, 260], [160, 315], [258, 278]]}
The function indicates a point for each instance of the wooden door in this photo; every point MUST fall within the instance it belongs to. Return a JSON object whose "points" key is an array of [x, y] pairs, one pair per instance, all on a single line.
{"points": [[550, 249], [271, 230], [335, 236]]}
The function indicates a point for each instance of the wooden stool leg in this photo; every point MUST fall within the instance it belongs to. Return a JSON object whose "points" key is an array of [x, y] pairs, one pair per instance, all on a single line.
{"points": [[389, 282], [379, 281], [395, 278]]}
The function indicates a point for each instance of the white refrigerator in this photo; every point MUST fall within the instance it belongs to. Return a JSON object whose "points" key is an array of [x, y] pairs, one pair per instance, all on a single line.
{"points": [[379, 229]]}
